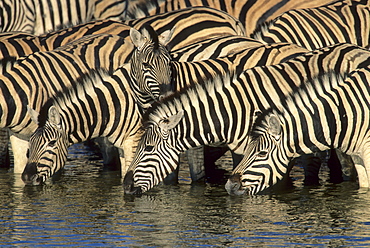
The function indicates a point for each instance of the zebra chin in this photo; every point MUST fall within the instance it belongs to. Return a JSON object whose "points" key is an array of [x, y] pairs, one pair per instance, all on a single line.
{"points": [[30, 176], [128, 185]]}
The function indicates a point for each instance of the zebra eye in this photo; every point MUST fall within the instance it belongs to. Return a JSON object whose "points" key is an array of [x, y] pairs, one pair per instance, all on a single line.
{"points": [[52, 143], [262, 154], [147, 66], [149, 148]]}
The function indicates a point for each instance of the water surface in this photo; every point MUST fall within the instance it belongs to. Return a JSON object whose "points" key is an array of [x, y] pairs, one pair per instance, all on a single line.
{"points": [[86, 206]]}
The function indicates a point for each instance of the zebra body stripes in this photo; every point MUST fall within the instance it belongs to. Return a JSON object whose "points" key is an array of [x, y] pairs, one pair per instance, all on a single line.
{"points": [[185, 73], [42, 16], [222, 111], [99, 105], [191, 25], [343, 21], [250, 13], [60, 67], [329, 111]]}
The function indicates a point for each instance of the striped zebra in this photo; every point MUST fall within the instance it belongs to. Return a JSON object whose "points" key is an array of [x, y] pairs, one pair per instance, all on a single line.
{"points": [[42, 16], [326, 112], [186, 73], [45, 160], [222, 111], [59, 68], [250, 13], [191, 25], [97, 105], [343, 21]]}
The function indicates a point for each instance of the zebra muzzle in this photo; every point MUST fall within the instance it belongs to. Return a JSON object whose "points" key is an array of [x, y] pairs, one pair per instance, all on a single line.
{"points": [[128, 184], [30, 176], [233, 185]]}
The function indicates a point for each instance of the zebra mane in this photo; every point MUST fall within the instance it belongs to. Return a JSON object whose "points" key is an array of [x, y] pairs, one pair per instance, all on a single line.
{"points": [[317, 85], [66, 96], [186, 97]]}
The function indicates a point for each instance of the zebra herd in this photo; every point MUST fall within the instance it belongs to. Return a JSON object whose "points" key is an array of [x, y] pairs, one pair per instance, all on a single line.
{"points": [[270, 81]]}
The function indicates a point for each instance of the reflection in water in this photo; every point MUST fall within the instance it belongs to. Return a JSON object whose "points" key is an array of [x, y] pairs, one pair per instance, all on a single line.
{"points": [[86, 206]]}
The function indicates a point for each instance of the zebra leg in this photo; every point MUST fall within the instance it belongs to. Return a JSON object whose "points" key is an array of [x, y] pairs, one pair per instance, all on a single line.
{"points": [[4, 148], [195, 158], [110, 153], [335, 167], [348, 167], [20, 149], [362, 172], [311, 165]]}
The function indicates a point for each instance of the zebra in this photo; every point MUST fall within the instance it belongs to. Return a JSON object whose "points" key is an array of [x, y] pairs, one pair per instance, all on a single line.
{"points": [[192, 25], [343, 21], [59, 67], [223, 110], [186, 73], [249, 12], [329, 111], [53, 157], [43, 16], [105, 107]]}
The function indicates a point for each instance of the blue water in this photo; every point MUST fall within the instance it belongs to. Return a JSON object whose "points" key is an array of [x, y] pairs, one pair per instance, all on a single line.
{"points": [[86, 206]]}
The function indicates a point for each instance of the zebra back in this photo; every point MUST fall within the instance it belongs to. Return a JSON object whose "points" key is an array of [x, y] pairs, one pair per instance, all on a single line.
{"points": [[327, 112], [97, 105], [249, 12], [19, 44], [36, 77], [339, 22], [191, 25], [223, 110], [42, 16]]}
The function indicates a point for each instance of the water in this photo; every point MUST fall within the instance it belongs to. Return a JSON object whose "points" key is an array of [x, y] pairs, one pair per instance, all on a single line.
{"points": [[86, 206]]}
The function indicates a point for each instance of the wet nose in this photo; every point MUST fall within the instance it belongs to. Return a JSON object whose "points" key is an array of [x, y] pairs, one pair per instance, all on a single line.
{"points": [[128, 184], [233, 184], [30, 176]]}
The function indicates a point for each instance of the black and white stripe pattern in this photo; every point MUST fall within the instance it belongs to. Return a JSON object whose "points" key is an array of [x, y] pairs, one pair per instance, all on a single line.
{"points": [[191, 25], [222, 111], [250, 13], [327, 112], [339, 22], [41, 16], [98, 105]]}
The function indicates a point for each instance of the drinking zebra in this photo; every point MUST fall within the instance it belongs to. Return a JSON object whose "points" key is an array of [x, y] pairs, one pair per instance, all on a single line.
{"points": [[98, 105], [44, 160], [222, 111], [339, 22], [330, 111], [25, 84]]}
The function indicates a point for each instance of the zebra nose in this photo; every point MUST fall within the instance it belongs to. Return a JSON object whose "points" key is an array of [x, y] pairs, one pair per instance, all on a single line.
{"points": [[30, 176], [128, 184], [233, 184]]}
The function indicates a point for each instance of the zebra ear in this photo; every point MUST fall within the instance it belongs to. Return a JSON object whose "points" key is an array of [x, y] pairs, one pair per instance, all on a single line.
{"points": [[172, 121], [137, 38], [53, 115], [274, 126], [34, 114], [166, 36]]}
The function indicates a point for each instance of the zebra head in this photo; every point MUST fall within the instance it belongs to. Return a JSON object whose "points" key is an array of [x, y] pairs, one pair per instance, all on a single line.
{"points": [[264, 161], [47, 150], [157, 155], [150, 65]]}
